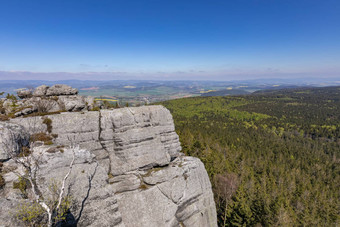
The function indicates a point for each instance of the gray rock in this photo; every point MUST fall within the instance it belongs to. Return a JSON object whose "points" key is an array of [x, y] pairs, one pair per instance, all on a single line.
{"points": [[25, 111], [24, 93], [183, 198], [43, 104], [61, 89], [93, 201], [31, 124], [40, 91], [12, 138], [73, 103], [124, 183], [8, 105], [90, 102], [138, 175], [138, 137]]}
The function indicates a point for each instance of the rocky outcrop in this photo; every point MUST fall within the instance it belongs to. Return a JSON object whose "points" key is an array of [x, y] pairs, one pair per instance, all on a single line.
{"points": [[61, 89], [128, 170], [43, 90], [40, 91], [45, 99]]}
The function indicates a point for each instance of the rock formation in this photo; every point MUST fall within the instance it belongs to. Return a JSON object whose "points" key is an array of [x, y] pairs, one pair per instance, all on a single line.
{"points": [[59, 97], [128, 171]]}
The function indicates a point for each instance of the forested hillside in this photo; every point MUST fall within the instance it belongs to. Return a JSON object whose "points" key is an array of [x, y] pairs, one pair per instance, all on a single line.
{"points": [[273, 157]]}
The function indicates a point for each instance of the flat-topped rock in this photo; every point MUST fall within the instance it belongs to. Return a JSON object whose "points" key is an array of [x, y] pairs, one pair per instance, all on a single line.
{"points": [[61, 89]]}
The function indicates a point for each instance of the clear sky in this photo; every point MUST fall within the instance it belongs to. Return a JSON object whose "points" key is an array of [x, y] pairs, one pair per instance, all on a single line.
{"points": [[215, 39]]}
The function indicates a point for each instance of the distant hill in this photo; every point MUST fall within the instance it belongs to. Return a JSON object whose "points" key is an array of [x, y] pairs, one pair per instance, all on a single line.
{"points": [[226, 92]]}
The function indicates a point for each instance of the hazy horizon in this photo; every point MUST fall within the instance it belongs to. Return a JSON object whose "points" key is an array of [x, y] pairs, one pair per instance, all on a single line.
{"points": [[107, 76]]}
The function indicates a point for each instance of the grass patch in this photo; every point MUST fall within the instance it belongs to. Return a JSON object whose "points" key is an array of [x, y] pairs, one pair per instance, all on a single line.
{"points": [[22, 184], [41, 114], [48, 122], [2, 180], [47, 139], [150, 171], [143, 186], [25, 151]]}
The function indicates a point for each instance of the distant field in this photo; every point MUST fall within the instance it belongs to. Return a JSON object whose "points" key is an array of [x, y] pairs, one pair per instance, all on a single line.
{"points": [[141, 92]]}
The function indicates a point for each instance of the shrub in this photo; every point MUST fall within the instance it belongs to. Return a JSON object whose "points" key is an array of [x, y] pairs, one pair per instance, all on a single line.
{"points": [[96, 108], [4, 117], [48, 122], [44, 105], [143, 186], [11, 97], [41, 136], [48, 142], [25, 151], [32, 214], [23, 184], [2, 181]]}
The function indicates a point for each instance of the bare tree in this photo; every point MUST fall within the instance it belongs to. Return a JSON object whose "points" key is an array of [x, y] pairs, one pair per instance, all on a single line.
{"points": [[225, 187], [43, 105], [31, 165], [50, 203]]}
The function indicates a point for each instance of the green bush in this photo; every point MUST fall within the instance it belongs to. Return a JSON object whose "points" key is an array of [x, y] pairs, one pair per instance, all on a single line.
{"points": [[31, 214], [48, 122]]}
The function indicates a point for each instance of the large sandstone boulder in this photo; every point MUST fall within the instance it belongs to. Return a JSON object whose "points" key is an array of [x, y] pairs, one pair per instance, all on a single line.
{"points": [[12, 138], [128, 171], [40, 91], [45, 99], [61, 89]]}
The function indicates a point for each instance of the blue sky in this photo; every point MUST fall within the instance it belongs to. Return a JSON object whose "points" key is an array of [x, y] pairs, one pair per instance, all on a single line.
{"points": [[216, 39]]}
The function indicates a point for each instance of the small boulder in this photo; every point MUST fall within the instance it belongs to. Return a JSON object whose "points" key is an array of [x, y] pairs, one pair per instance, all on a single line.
{"points": [[72, 103], [25, 111], [8, 105], [40, 91], [90, 102], [23, 94], [61, 89]]}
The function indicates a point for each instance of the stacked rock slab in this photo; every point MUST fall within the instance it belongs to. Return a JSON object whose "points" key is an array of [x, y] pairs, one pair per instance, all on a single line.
{"points": [[138, 175], [43, 99]]}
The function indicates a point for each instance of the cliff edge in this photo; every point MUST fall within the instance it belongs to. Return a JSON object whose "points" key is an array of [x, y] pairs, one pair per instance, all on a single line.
{"points": [[128, 168]]}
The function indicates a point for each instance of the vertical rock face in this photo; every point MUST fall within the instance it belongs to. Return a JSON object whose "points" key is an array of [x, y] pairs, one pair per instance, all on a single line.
{"points": [[139, 176], [12, 138]]}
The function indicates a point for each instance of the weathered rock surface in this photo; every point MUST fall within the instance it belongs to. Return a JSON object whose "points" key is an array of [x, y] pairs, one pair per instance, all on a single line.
{"points": [[40, 91], [73, 103], [12, 138], [128, 171], [45, 99], [61, 89]]}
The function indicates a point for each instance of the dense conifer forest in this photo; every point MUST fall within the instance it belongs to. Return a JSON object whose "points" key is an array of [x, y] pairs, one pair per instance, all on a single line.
{"points": [[273, 157]]}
